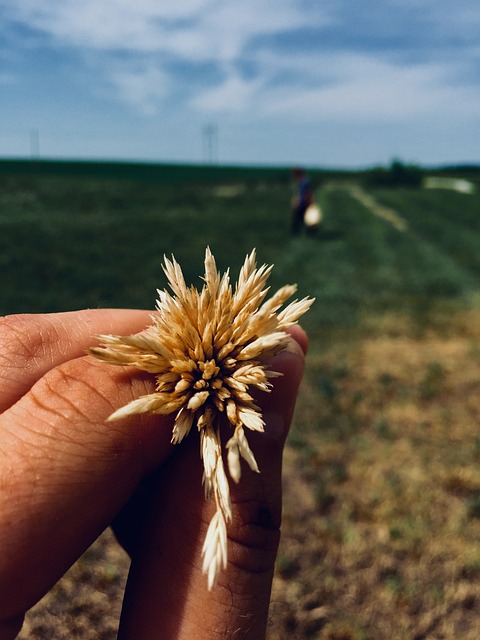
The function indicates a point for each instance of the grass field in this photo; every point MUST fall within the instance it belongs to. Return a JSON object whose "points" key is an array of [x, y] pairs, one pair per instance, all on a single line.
{"points": [[382, 484]]}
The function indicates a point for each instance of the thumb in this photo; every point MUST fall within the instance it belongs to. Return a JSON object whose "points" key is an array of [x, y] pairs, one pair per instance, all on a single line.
{"points": [[167, 595]]}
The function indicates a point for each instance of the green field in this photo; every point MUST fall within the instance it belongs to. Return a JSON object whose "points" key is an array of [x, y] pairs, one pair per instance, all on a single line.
{"points": [[382, 488], [70, 241]]}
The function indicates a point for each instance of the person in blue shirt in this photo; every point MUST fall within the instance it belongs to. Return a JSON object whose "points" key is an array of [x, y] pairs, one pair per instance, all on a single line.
{"points": [[302, 200]]}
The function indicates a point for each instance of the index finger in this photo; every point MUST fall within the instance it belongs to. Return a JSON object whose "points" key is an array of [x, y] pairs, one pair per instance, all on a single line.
{"points": [[33, 344]]}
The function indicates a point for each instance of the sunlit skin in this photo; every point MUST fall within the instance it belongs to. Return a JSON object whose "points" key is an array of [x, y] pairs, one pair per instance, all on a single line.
{"points": [[66, 475]]}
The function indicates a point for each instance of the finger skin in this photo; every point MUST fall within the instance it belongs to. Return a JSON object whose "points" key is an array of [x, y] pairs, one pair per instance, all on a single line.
{"points": [[33, 344], [64, 473], [167, 594]]}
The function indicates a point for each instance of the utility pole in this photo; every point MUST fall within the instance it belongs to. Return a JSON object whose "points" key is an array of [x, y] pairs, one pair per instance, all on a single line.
{"points": [[210, 143], [34, 144]]}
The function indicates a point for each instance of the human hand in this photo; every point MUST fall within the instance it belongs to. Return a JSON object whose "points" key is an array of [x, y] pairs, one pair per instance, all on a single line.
{"points": [[65, 475]]}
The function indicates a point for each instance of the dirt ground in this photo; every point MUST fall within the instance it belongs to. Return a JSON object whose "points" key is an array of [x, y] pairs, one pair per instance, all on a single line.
{"points": [[382, 491], [86, 602], [381, 501]]}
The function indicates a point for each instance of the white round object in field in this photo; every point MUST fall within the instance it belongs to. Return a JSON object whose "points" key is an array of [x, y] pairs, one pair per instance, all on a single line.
{"points": [[313, 216]]}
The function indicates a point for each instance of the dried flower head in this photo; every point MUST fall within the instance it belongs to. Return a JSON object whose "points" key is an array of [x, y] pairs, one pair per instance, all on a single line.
{"points": [[207, 349]]}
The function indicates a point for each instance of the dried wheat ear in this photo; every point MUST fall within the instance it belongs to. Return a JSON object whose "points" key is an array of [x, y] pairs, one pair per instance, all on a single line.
{"points": [[207, 350]]}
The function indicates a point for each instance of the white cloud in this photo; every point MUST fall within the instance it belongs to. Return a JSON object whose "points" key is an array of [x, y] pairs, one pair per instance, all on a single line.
{"points": [[157, 34], [235, 94], [105, 24], [345, 87], [144, 87], [133, 45], [199, 29], [366, 88]]}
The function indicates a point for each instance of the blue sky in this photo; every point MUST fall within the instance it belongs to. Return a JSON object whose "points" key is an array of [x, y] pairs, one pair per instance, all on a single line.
{"points": [[340, 83]]}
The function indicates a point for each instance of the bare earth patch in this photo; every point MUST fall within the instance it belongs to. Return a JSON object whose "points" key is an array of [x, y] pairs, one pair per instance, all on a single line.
{"points": [[382, 492], [86, 602], [382, 501]]}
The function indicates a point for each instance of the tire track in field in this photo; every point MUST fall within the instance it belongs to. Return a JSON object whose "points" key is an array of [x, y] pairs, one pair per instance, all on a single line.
{"points": [[377, 209]]}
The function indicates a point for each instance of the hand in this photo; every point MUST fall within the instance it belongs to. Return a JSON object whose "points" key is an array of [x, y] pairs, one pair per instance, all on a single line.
{"points": [[65, 476]]}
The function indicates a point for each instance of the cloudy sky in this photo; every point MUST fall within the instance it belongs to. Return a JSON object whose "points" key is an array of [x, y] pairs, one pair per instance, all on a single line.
{"points": [[342, 83]]}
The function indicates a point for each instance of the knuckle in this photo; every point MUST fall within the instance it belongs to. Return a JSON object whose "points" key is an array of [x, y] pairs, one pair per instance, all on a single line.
{"points": [[84, 391], [67, 410], [25, 337], [255, 536], [72, 389]]}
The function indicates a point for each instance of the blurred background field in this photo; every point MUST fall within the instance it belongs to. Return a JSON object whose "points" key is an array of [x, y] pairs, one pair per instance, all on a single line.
{"points": [[382, 484]]}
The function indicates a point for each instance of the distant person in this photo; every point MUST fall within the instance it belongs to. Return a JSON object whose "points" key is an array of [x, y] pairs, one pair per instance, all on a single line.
{"points": [[303, 198]]}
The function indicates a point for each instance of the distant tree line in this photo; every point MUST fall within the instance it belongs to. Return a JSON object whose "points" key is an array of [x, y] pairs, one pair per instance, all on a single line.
{"points": [[396, 175]]}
